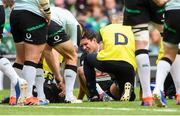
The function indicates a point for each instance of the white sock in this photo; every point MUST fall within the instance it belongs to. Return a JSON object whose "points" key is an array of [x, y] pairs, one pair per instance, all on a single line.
{"points": [[175, 73], [29, 74], [99, 89], [143, 65], [39, 83], [18, 71], [1, 80], [163, 68], [69, 77], [7, 69]]}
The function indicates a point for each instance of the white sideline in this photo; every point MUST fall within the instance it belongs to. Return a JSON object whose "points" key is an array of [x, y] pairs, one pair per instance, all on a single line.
{"points": [[100, 108]]}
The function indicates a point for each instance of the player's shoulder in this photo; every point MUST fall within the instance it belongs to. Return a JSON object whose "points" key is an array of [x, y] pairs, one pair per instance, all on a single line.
{"points": [[58, 9], [114, 26]]}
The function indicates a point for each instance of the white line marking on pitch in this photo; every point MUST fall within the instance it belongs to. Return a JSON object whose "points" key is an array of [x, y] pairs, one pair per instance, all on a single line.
{"points": [[100, 108]]}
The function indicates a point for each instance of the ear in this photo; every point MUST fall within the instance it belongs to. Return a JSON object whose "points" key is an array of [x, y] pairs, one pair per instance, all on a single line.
{"points": [[94, 39]]}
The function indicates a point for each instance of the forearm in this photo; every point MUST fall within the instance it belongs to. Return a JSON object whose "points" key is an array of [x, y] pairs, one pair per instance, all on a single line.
{"points": [[53, 63]]}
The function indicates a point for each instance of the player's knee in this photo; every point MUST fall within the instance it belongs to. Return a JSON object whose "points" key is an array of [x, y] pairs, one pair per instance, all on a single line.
{"points": [[141, 34], [72, 59], [141, 51], [19, 59], [4, 61]]}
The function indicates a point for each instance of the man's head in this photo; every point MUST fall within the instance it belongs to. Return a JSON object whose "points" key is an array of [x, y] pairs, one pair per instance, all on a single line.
{"points": [[88, 42]]}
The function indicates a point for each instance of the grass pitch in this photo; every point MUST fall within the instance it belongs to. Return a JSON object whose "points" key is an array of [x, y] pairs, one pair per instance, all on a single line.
{"points": [[87, 108]]}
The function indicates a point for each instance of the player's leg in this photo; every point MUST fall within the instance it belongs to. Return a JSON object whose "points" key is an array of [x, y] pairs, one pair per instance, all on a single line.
{"points": [[52, 59], [70, 55], [136, 15], [95, 91], [124, 75], [29, 70], [90, 62], [84, 90], [176, 77], [171, 40], [62, 44], [19, 61], [163, 68], [18, 65], [82, 81], [18, 39], [114, 92], [17, 84], [39, 83], [34, 43]]}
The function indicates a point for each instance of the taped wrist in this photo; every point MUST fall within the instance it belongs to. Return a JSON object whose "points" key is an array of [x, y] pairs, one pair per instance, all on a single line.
{"points": [[45, 5]]}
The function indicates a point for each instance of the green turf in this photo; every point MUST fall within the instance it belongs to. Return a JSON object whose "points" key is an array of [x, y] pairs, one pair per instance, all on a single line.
{"points": [[86, 108]]}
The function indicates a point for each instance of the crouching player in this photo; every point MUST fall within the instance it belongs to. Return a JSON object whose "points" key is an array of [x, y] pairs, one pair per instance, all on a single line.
{"points": [[62, 36], [116, 58]]}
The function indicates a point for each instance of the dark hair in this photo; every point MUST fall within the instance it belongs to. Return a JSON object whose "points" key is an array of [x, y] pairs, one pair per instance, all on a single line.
{"points": [[85, 33], [89, 34]]}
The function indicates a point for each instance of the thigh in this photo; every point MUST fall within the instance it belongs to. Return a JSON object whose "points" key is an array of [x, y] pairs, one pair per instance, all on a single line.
{"points": [[135, 12], [20, 52], [91, 59], [120, 69], [67, 50], [125, 70], [156, 12], [32, 27], [33, 52], [56, 34], [15, 27], [172, 27]]}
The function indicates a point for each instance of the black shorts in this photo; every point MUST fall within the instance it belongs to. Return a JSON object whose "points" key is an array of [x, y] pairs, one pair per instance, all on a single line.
{"points": [[118, 69], [142, 11], [56, 34], [28, 27], [2, 20], [172, 27], [120, 72]]}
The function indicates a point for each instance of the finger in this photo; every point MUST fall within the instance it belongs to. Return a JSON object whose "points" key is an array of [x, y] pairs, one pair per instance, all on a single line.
{"points": [[9, 2], [49, 22]]}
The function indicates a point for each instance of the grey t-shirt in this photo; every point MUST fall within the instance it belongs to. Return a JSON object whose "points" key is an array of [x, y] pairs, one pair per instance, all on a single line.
{"points": [[173, 5], [30, 5], [66, 19]]}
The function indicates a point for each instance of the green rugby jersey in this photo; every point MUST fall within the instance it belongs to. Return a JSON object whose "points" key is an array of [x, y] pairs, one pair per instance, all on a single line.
{"points": [[173, 5]]}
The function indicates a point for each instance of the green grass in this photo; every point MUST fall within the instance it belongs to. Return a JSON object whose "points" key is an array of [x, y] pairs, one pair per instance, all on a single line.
{"points": [[87, 108]]}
